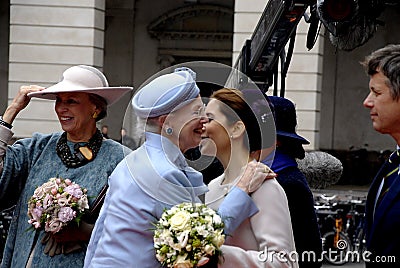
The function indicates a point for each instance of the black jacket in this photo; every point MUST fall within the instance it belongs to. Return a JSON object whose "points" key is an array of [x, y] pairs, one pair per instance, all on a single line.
{"points": [[304, 220]]}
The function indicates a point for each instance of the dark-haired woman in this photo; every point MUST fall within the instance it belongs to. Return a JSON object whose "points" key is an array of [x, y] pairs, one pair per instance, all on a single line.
{"points": [[238, 129]]}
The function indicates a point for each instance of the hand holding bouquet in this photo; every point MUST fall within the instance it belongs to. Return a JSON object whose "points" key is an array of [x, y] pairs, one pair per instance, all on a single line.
{"points": [[187, 235], [57, 203]]}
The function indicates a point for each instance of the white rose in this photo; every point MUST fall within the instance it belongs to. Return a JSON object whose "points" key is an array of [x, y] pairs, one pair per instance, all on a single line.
{"points": [[169, 241], [165, 234], [209, 249], [217, 219], [53, 226], [181, 262], [83, 202], [208, 211], [201, 230], [183, 238], [208, 219], [164, 222], [218, 239], [172, 211], [176, 246], [180, 220], [161, 258]]}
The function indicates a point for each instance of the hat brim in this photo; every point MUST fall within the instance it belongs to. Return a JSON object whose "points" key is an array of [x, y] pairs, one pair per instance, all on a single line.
{"points": [[292, 136], [110, 94]]}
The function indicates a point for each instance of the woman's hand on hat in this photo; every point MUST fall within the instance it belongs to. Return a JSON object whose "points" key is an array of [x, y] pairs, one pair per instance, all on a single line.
{"points": [[20, 101], [255, 173]]}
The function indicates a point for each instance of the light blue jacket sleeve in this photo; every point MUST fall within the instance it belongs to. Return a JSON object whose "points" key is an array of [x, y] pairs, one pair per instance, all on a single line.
{"points": [[236, 207]]}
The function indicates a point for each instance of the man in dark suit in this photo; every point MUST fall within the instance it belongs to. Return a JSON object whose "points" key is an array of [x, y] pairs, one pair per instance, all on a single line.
{"points": [[383, 202]]}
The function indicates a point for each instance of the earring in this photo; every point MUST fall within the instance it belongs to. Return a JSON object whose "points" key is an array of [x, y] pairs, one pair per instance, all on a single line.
{"points": [[95, 115], [169, 131]]}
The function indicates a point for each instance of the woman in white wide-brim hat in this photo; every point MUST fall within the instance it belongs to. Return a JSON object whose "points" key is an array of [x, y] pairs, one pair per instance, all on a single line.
{"points": [[79, 154]]}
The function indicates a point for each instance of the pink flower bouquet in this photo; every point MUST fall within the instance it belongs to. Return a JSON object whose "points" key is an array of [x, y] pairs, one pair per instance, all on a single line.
{"points": [[57, 203]]}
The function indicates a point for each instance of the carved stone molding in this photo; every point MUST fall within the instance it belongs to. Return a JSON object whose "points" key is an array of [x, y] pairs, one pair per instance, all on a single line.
{"points": [[205, 22]]}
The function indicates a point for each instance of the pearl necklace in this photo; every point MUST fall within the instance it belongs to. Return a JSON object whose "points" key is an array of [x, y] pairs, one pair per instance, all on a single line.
{"points": [[82, 154]]}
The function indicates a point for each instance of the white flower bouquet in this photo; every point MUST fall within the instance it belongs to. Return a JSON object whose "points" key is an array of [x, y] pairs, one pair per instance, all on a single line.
{"points": [[57, 203], [188, 235]]}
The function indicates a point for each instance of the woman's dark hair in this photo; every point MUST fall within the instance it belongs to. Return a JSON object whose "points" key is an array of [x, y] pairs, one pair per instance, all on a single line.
{"points": [[258, 121], [100, 103]]}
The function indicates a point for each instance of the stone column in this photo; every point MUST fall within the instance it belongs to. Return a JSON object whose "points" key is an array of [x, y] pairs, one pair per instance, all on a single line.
{"points": [[47, 37]]}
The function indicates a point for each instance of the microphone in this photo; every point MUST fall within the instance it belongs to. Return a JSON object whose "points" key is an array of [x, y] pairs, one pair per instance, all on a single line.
{"points": [[350, 23], [320, 169]]}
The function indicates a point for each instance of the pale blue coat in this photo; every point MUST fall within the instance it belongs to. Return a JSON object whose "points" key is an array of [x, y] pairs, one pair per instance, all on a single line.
{"points": [[150, 179]]}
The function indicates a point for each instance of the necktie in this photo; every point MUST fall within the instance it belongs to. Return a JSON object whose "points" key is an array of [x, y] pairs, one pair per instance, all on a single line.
{"points": [[393, 168]]}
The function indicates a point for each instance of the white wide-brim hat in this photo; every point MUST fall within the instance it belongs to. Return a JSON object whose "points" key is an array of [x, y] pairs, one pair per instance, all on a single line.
{"points": [[86, 79]]}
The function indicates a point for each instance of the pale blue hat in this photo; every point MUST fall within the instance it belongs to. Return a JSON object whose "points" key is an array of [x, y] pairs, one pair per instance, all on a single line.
{"points": [[165, 93]]}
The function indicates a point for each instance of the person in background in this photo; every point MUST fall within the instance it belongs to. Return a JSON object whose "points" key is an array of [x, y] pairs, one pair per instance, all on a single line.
{"points": [[289, 147], [79, 153], [240, 129], [127, 140], [156, 176], [104, 131], [382, 212]]}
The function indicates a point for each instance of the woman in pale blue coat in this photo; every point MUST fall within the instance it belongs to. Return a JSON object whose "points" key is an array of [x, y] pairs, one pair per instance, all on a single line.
{"points": [[79, 153], [156, 176]]}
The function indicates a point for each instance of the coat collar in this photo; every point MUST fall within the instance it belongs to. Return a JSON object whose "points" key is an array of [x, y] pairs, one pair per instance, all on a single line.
{"points": [[374, 218], [183, 184]]}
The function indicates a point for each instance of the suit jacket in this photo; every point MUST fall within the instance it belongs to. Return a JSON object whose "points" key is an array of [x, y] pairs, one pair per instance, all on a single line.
{"points": [[383, 226]]}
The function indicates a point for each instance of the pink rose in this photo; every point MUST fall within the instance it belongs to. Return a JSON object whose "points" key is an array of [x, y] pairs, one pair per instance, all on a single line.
{"points": [[74, 190], [36, 225], [203, 261], [49, 185], [47, 201], [53, 226], [37, 213], [62, 201], [66, 214], [39, 192]]}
